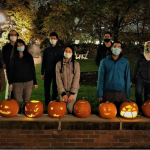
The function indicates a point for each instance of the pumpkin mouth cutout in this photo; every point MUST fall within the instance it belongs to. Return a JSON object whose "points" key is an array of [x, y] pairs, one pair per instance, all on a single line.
{"points": [[5, 112], [56, 115], [107, 114]]}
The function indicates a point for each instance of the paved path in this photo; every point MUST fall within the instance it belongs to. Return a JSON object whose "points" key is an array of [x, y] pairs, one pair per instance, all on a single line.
{"points": [[37, 60]]}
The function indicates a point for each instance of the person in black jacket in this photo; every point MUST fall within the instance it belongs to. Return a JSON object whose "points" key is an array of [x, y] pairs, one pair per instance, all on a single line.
{"points": [[22, 75], [105, 49], [51, 55], [141, 76]]}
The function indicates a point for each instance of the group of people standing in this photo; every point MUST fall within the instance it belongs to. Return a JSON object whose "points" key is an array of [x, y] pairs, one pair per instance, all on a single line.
{"points": [[114, 80], [59, 67]]}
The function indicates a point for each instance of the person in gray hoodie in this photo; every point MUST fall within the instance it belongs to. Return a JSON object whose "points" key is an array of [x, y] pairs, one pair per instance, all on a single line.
{"points": [[67, 78]]}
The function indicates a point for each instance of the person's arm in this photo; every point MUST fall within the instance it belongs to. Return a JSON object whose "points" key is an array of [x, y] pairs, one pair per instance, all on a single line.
{"points": [[136, 67], [97, 58], [33, 70], [43, 63], [4, 56], [127, 80], [59, 82], [76, 79], [100, 82]]}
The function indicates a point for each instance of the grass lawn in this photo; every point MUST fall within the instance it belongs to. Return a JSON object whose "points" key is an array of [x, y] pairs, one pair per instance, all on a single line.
{"points": [[88, 92]]}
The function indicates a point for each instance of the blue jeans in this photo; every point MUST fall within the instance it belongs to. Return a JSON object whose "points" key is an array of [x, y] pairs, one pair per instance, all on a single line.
{"points": [[141, 84]]}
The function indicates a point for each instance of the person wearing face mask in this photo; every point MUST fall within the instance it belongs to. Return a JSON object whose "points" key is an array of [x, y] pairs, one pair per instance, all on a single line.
{"points": [[105, 49], [68, 77], [22, 74], [141, 76], [114, 77], [51, 55]]}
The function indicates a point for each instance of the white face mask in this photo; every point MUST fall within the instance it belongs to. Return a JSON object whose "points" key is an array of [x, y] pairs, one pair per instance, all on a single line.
{"points": [[53, 42], [67, 55], [13, 38]]}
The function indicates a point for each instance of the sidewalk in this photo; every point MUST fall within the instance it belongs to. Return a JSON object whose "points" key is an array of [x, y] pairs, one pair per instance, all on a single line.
{"points": [[37, 60]]}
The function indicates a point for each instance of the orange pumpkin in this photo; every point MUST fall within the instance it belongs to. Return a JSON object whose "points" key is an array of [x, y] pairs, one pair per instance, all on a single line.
{"points": [[146, 108], [82, 108], [128, 110], [34, 108], [107, 110], [56, 109], [9, 108]]}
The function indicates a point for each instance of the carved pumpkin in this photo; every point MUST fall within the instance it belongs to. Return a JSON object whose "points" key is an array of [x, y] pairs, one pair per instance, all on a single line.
{"points": [[82, 108], [107, 110], [146, 108], [128, 110], [34, 109], [56, 109], [9, 108]]}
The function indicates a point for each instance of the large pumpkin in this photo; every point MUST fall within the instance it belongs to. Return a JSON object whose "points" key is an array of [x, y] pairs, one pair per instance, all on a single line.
{"points": [[34, 108], [128, 110], [56, 109], [82, 108], [146, 108], [9, 108], [107, 110]]}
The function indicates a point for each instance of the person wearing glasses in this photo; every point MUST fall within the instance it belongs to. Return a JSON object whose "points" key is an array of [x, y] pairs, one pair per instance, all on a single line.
{"points": [[114, 77]]}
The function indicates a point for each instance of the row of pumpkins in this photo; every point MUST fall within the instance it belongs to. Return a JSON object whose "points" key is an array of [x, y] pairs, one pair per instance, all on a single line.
{"points": [[82, 109]]}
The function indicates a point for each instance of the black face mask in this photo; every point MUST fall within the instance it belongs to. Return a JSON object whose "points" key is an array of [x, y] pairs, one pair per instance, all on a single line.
{"points": [[106, 40]]}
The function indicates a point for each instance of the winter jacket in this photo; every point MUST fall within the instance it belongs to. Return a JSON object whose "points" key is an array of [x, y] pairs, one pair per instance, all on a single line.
{"points": [[2, 78], [51, 55], [141, 69], [102, 52], [114, 75], [67, 81], [22, 70]]}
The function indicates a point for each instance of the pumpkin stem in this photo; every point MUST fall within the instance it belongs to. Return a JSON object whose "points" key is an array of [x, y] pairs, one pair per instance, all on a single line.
{"points": [[57, 99], [9, 95], [83, 98], [107, 102]]}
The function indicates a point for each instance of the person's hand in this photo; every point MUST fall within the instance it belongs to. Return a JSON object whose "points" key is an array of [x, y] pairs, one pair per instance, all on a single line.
{"points": [[4, 66], [35, 86], [42, 77], [65, 98], [100, 99], [71, 97], [10, 87]]}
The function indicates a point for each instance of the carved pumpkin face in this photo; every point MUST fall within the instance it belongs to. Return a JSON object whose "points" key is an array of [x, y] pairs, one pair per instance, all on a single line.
{"points": [[9, 108], [56, 109], [82, 109], [34, 109], [146, 108], [107, 110], [128, 109]]}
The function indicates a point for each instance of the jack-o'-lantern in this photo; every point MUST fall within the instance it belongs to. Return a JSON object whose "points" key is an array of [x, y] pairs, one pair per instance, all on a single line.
{"points": [[146, 108], [128, 110], [9, 108], [107, 110], [82, 108], [56, 109], [34, 108]]}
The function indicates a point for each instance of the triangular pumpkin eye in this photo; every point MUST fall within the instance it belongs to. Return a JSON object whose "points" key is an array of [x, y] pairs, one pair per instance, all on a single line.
{"points": [[6, 107]]}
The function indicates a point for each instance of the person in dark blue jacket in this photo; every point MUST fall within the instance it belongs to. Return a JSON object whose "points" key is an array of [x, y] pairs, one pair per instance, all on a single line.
{"points": [[114, 77]]}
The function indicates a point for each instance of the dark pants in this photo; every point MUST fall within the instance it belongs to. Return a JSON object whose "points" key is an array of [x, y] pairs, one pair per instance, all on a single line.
{"points": [[140, 84], [115, 97], [50, 76]]}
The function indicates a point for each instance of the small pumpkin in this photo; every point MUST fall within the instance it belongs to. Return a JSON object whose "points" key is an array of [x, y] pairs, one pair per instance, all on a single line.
{"points": [[128, 109], [146, 108], [107, 110], [34, 108], [9, 108], [82, 108], [56, 109]]}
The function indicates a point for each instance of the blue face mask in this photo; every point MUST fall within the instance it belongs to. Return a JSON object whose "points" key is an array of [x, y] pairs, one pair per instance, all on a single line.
{"points": [[20, 49], [116, 51]]}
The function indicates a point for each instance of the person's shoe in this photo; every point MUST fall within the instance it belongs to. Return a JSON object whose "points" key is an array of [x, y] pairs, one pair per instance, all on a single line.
{"points": [[140, 114]]}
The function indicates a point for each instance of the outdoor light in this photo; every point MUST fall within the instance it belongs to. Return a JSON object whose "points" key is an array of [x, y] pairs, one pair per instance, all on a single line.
{"points": [[107, 110], [9, 108], [34, 108], [128, 110], [2, 19], [56, 109], [82, 108]]}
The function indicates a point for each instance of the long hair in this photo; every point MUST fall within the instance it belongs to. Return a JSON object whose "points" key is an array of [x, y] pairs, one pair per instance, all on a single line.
{"points": [[15, 52], [72, 59]]}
